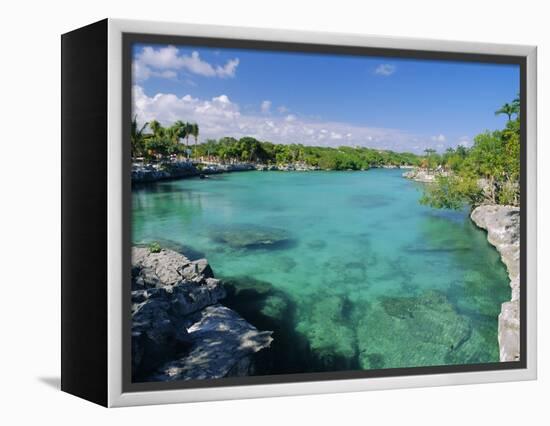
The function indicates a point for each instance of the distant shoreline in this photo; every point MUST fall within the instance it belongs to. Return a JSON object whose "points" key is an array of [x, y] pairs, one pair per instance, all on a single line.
{"points": [[154, 172]]}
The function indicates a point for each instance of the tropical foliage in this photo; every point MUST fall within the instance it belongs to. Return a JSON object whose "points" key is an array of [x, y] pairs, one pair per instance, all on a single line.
{"points": [[488, 172], [249, 149], [161, 141]]}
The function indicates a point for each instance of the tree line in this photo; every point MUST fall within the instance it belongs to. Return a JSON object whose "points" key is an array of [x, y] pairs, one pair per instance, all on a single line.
{"points": [[249, 149], [160, 142], [488, 172]]}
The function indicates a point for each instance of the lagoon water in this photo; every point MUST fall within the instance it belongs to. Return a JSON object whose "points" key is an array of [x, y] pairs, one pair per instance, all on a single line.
{"points": [[347, 268]]}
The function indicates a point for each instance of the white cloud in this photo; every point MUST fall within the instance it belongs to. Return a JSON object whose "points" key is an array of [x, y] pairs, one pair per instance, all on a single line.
{"points": [[465, 141], [282, 109], [290, 117], [265, 106], [220, 116], [165, 61], [385, 69], [439, 138]]}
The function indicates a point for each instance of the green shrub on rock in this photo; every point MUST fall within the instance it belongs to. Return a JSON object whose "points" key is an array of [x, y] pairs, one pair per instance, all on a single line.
{"points": [[155, 247]]}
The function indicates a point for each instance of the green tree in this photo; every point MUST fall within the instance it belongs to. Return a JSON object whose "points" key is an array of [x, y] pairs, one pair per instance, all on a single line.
{"points": [[430, 158], [452, 192], [508, 110], [488, 172], [137, 137], [188, 132], [156, 128], [195, 132]]}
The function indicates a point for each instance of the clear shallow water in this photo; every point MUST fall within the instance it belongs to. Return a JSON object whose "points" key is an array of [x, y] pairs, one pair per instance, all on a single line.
{"points": [[347, 268]]}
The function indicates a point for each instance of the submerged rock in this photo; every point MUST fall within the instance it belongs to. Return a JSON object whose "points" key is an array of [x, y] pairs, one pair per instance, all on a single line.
{"points": [[330, 333], [275, 306], [250, 236], [168, 293], [316, 244], [428, 325], [222, 344], [502, 224]]}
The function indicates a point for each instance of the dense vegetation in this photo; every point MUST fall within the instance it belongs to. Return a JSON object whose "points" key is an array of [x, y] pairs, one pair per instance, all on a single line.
{"points": [[488, 172], [342, 158], [161, 142]]}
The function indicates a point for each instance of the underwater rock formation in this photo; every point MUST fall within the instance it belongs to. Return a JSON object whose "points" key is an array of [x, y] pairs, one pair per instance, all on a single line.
{"points": [[332, 340], [418, 331], [250, 236]]}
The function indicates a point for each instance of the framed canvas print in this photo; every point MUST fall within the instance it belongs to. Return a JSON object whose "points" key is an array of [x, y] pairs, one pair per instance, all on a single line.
{"points": [[252, 213]]}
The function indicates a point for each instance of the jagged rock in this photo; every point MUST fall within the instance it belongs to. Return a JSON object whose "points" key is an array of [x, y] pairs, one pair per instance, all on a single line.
{"points": [[152, 172], [175, 315], [424, 175], [165, 268], [502, 224], [198, 268], [222, 344], [508, 331], [156, 333], [166, 287]]}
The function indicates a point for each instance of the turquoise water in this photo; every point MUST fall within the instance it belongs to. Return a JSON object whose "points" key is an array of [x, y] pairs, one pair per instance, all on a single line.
{"points": [[347, 268]]}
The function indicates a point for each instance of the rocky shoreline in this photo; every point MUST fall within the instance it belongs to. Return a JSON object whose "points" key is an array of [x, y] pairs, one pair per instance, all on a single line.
{"points": [[153, 172], [180, 330], [502, 224], [423, 175]]}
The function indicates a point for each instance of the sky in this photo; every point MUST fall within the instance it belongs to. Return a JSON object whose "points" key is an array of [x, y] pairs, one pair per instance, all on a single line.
{"points": [[319, 99]]}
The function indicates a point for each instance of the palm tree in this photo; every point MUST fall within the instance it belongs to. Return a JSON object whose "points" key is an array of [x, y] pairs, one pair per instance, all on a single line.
{"points": [[188, 131], [195, 132], [136, 136], [508, 110], [516, 102], [429, 152], [179, 131], [154, 125]]}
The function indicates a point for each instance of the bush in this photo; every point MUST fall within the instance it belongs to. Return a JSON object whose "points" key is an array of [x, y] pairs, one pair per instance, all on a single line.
{"points": [[155, 247], [452, 192]]}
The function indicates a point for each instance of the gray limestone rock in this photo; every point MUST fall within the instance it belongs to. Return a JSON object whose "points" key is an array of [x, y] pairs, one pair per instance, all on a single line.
{"points": [[502, 224]]}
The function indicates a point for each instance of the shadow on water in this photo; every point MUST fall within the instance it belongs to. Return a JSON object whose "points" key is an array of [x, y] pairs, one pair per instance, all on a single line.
{"points": [[251, 237], [268, 308], [163, 187], [371, 201]]}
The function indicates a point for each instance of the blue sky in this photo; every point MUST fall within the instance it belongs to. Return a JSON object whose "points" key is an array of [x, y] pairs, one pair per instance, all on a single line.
{"points": [[325, 100]]}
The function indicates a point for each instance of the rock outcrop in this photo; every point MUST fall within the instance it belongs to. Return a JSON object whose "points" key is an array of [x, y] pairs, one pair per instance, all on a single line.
{"points": [[179, 330], [222, 343], [152, 172], [423, 175], [502, 224]]}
